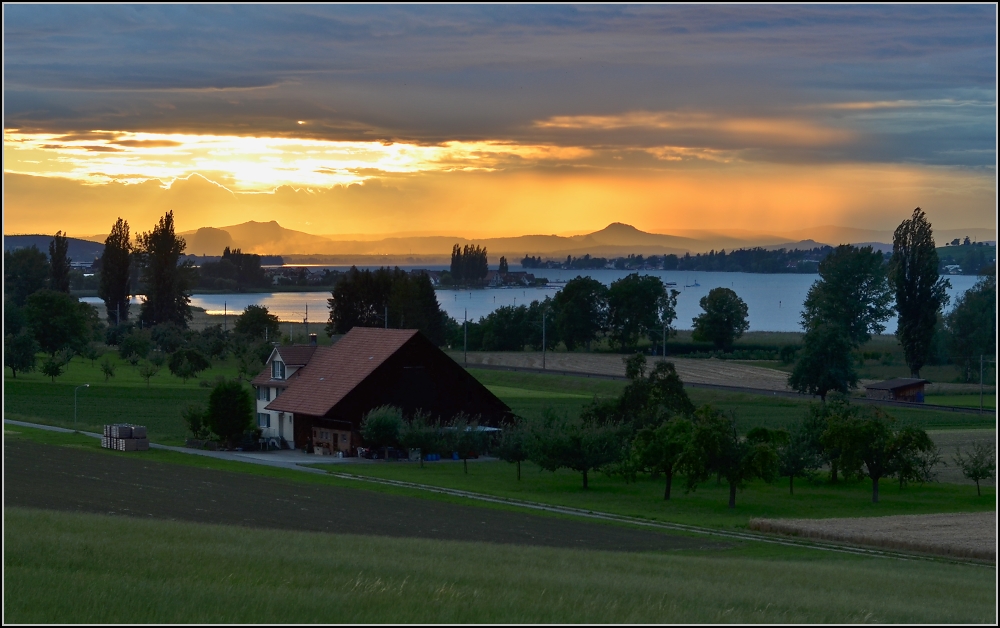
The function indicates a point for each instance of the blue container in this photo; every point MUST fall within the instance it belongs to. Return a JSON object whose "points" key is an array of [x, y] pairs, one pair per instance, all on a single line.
{"points": [[454, 455]]}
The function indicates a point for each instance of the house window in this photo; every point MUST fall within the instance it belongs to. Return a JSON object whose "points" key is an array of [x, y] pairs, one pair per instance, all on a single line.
{"points": [[263, 393], [263, 419], [277, 370]]}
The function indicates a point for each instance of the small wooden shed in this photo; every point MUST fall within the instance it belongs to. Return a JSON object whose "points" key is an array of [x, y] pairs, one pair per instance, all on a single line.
{"points": [[900, 389]]}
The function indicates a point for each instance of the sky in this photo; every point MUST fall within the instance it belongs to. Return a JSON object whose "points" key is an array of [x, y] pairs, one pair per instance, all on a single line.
{"points": [[500, 119]]}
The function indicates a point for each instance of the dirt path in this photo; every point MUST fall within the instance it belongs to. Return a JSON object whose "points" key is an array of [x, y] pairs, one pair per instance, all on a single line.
{"points": [[966, 535], [73, 479], [691, 371]]}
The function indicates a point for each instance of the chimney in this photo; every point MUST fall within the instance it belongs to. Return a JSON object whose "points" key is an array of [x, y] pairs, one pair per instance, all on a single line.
{"points": [[312, 340]]}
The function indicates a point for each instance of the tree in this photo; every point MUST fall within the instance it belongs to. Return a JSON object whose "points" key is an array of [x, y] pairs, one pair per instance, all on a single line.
{"points": [[915, 456], [979, 464], [381, 427], [513, 446], [716, 448], [504, 268], [136, 343], [826, 363], [57, 320], [19, 352], [920, 291], [505, 329], [468, 265], [422, 433], [147, 371], [558, 441], [166, 279], [116, 273], [361, 299], [581, 311], [797, 457], [187, 363], [869, 443], [195, 420], [59, 263], [25, 271], [852, 293], [467, 439], [972, 327], [107, 367], [230, 410], [53, 367], [724, 318], [659, 449], [257, 322], [637, 305]]}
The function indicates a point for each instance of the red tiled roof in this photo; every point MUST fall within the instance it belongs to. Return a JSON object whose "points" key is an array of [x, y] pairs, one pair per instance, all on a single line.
{"points": [[335, 371], [294, 355]]}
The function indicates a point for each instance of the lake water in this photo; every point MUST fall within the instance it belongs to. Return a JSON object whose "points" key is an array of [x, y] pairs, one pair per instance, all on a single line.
{"points": [[774, 301]]}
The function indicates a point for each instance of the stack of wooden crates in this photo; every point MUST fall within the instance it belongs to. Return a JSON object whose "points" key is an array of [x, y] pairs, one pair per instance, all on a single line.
{"points": [[125, 437]]}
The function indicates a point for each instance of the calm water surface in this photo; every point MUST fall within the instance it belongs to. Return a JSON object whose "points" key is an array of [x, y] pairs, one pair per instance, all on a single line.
{"points": [[774, 301]]}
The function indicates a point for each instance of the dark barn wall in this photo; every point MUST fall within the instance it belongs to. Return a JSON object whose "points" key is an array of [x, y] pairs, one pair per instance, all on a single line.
{"points": [[421, 377]]}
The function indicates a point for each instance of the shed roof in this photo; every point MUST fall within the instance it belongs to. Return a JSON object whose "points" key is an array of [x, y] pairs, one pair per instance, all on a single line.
{"points": [[897, 383], [340, 368]]}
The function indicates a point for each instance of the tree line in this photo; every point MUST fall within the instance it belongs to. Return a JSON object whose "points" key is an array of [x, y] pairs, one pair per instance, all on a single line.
{"points": [[753, 260], [469, 265]]}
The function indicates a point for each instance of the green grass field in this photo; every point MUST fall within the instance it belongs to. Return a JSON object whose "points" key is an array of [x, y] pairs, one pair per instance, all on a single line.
{"points": [[965, 401], [127, 398], [705, 506], [525, 394], [63, 568]]}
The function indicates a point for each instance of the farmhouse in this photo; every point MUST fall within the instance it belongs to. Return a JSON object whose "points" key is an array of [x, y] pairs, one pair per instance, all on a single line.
{"points": [[322, 393], [899, 389]]}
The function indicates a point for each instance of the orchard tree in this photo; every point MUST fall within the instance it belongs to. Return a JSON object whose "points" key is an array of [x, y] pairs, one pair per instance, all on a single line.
{"points": [[59, 263], [659, 449], [187, 363], [724, 318], [25, 271], [116, 273], [381, 427], [717, 449], [581, 311], [513, 446], [19, 352], [558, 441], [920, 290], [257, 322], [978, 464], [165, 278], [52, 367]]}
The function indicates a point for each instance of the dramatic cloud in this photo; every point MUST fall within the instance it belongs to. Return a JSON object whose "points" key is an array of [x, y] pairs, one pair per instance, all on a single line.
{"points": [[428, 98]]}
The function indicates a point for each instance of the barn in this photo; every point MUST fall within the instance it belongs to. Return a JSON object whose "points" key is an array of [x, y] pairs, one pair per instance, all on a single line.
{"points": [[306, 391], [899, 389]]}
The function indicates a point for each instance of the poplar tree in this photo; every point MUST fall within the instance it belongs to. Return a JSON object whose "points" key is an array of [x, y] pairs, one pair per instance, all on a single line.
{"points": [[165, 278], [116, 284], [920, 290], [59, 263]]}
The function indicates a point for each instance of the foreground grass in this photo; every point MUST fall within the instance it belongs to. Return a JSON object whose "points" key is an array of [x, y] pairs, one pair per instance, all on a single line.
{"points": [[705, 506], [529, 394], [121, 570]]}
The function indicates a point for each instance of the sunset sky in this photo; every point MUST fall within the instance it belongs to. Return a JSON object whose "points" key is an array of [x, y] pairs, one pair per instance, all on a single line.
{"points": [[499, 120]]}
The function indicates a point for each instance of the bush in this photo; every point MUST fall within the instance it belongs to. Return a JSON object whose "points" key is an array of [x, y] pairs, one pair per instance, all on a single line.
{"points": [[194, 419], [381, 427], [230, 410]]}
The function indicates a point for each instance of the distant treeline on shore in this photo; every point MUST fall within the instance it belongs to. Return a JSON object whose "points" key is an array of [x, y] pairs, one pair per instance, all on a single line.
{"points": [[755, 260]]}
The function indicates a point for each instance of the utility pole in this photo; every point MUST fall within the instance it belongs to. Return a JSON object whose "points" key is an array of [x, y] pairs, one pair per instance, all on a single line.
{"points": [[465, 329], [118, 313], [543, 340], [225, 315], [980, 383], [305, 321]]}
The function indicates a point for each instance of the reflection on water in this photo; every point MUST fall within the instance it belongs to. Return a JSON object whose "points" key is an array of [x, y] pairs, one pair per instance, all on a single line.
{"points": [[774, 301]]}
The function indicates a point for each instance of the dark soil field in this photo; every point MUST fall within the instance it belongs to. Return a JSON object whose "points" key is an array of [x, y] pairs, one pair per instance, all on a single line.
{"points": [[75, 480]]}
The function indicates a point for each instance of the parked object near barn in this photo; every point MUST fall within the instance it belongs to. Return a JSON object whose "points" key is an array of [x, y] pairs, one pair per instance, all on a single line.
{"points": [[322, 393], [900, 389]]}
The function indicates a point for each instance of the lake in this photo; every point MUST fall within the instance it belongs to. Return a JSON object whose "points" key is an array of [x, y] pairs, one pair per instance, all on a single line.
{"points": [[774, 301]]}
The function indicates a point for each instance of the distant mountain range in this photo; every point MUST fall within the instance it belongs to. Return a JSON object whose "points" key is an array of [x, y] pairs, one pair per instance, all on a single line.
{"points": [[617, 239]]}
